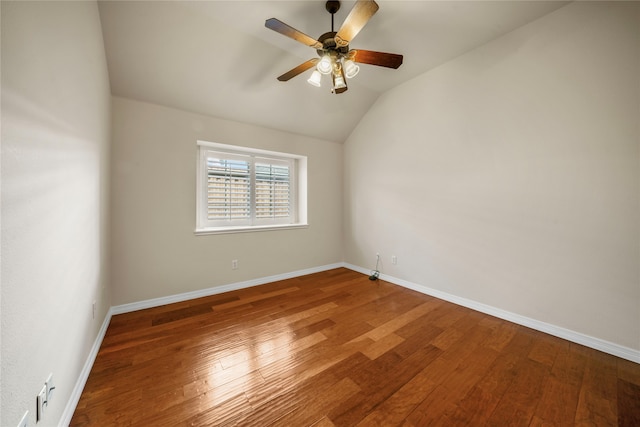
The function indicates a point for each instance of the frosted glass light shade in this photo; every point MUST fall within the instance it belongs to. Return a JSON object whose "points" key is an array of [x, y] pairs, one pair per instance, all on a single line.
{"points": [[350, 69], [315, 78], [325, 66], [338, 81]]}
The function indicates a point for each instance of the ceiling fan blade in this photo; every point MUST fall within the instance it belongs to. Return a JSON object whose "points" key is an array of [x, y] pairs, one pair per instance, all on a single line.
{"points": [[356, 20], [298, 70], [389, 60], [286, 30]]}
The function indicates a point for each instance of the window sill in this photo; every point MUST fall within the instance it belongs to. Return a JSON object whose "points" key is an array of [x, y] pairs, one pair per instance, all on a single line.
{"points": [[246, 229]]}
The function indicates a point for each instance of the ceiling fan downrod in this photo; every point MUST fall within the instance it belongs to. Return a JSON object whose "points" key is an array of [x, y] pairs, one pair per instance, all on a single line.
{"points": [[332, 7]]}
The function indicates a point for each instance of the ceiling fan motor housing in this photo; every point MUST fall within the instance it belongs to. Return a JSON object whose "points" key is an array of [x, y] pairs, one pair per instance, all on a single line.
{"points": [[329, 44]]}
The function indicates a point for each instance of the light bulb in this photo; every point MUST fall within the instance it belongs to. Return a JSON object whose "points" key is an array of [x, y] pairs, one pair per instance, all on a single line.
{"points": [[350, 69], [324, 66], [315, 78]]}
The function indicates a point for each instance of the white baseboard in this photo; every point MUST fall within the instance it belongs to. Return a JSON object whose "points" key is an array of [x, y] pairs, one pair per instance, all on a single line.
{"points": [[156, 302], [576, 337], [65, 420]]}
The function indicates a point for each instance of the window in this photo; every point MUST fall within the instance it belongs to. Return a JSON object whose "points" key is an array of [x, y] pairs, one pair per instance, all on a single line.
{"points": [[242, 189]]}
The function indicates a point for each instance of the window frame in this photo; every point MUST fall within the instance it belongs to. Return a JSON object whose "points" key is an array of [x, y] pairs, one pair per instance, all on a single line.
{"points": [[297, 180]]}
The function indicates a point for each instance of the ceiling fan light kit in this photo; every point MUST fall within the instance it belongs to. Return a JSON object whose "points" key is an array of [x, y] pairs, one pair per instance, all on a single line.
{"points": [[333, 48]]}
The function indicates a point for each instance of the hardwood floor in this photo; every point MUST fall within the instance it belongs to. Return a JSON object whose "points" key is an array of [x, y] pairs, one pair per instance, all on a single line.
{"points": [[335, 349]]}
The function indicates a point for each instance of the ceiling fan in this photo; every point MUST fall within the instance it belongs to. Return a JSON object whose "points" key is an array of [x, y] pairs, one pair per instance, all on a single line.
{"points": [[336, 58]]}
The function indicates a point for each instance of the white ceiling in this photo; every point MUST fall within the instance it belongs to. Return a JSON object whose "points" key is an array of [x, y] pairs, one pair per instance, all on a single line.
{"points": [[217, 58]]}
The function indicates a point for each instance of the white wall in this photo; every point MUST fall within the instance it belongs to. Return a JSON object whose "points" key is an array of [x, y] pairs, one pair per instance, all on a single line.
{"points": [[510, 175], [154, 250], [55, 145]]}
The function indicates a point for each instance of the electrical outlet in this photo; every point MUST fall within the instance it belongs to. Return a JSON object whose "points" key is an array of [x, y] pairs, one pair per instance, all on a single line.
{"points": [[41, 401], [24, 422], [234, 264], [394, 259], [50, 387]]}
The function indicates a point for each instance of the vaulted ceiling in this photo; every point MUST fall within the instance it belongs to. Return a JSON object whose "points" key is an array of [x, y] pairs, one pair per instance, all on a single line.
{"points": [[217, 58]]}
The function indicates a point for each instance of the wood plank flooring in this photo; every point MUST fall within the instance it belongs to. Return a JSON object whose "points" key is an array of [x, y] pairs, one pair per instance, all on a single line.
{"points": [[336, 349]]}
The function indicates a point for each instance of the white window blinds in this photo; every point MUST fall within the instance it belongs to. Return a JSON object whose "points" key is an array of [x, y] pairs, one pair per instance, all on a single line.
{"points": [[228, 189], [273, 190]]}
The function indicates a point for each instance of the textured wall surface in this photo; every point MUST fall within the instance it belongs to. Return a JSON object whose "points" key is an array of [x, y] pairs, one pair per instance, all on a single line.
{"points": [[55, 177], [154, 250], [510, 176]]}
